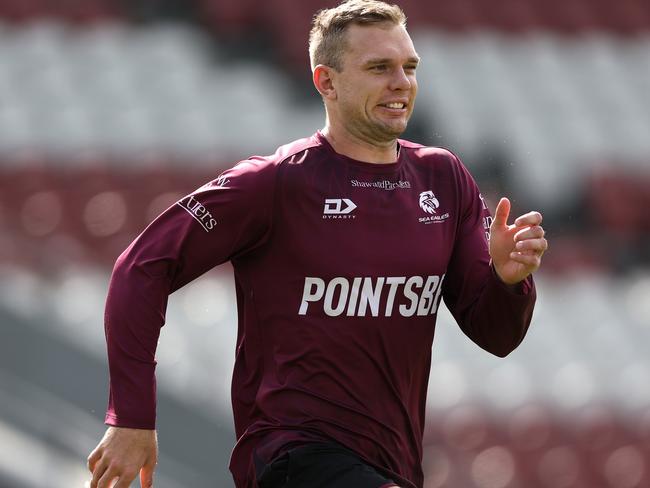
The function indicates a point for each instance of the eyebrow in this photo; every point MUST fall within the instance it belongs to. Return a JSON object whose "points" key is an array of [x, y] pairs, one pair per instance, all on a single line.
{"points": [[412, 59]]}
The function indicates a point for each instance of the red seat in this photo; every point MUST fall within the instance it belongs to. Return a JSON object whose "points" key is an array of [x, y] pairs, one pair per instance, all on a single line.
{"points": [[460, 15], [618, 202], [515, 16], [87, 11], [290, 23], [623, 16], [570, 17], [82, 11], [230, 18], [23, 10]]}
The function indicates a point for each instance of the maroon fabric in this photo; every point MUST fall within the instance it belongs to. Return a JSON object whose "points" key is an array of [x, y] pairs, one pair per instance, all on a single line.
{"points": [[339, 269]]}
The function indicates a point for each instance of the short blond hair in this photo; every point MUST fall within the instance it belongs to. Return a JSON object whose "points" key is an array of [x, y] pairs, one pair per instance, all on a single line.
{"points": [[327, 37]]}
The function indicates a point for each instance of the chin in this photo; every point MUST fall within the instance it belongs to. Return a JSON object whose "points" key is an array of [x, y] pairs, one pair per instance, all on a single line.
{"points": [[384, 132], [395, 126], [395, 130]]}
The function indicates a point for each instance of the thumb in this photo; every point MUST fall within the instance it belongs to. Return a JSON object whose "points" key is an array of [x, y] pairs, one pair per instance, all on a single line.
{"points": [[501, 213], [146, 475]]}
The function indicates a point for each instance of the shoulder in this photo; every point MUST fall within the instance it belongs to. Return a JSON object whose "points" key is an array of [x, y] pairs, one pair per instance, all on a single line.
{"points": [[442, 165], [287, 153], [427, 154], [262, 170], [435, 157], [297, 151]]}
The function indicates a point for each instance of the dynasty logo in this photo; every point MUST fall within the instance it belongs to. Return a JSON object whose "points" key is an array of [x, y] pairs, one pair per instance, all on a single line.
{"points": [[338, 208]]}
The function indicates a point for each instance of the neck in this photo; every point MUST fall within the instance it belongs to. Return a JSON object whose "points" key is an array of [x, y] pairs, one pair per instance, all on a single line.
{"points": [[370, 152]]}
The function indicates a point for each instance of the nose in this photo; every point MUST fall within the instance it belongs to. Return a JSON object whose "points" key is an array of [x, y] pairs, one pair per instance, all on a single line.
{"points": [[401, 80]]}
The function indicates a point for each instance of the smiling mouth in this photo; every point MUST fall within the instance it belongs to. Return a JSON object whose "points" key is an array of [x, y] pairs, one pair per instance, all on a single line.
{"points": [[394, 105]]}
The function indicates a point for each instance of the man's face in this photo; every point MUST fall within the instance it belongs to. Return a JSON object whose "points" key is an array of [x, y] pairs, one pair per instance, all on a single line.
{"points": [[375, 90]]}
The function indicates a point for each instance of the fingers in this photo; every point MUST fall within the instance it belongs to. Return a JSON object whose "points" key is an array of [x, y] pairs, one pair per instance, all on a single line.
{"points": [[531, 218], [531, 239], [107, 478], [125, 481], [121, 455], [501, 213], [531, 261], [532, 245], [146, 480], [98, 471], [146, 475], [124, 478], [535, 232], [104, 474], [92, 459]]}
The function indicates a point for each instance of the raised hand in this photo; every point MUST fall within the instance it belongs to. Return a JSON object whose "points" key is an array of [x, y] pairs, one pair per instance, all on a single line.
{"points": [[516, 250]]}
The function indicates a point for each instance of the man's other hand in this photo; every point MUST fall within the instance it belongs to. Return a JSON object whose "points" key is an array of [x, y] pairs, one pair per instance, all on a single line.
{"points": [[121, 455], [516, 250]]}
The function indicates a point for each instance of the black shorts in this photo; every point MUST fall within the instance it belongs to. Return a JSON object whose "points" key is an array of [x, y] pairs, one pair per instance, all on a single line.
{"points": [[320, 465]]}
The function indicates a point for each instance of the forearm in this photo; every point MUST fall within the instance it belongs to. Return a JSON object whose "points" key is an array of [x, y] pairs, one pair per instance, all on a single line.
{"points": [[500, 317], [135, 310]]}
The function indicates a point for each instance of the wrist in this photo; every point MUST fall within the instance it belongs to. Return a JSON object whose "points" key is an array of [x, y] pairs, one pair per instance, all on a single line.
{"points": [[515, 287]]}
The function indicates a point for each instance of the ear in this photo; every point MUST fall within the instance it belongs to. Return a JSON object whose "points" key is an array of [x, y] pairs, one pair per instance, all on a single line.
{"points": [[323, 81]]}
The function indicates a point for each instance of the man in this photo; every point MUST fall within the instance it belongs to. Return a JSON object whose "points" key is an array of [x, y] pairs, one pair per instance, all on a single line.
{"points": [[342, 244]]}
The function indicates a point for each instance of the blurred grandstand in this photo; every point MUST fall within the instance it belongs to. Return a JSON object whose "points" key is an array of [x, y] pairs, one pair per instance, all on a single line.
{"points": [[110, 111]]}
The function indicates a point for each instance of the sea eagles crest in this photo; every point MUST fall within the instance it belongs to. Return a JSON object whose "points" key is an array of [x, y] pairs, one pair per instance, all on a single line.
{"points": [[429, 202]]}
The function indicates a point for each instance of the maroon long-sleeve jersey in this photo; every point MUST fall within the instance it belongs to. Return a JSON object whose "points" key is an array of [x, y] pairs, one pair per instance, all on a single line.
{"points": [[339, 266]]}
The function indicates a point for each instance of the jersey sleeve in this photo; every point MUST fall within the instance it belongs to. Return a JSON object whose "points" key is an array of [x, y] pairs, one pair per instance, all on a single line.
{"points": [[222, 220], [492, 314]]}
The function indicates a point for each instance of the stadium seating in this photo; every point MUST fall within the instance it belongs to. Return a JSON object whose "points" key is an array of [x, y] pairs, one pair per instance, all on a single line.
{"points": [[570, 407], [534, 448], [110, 89], [75, 11]]}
